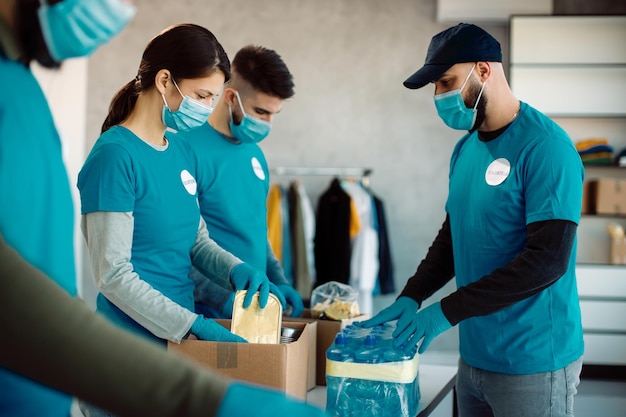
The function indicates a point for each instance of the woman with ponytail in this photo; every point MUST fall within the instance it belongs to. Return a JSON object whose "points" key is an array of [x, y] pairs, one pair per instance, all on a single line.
{"points": [[140, 216]]}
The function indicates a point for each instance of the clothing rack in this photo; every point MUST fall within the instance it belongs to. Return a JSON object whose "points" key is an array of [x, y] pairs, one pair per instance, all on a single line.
{"points": [[363, 173]]}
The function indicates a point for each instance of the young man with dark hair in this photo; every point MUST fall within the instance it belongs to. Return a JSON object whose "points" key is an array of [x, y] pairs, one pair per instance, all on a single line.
{"points": [[233, 176]]}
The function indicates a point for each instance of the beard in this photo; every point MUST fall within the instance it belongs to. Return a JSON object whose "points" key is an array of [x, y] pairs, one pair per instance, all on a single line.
{"points": [[236, 116], [473, 91]]}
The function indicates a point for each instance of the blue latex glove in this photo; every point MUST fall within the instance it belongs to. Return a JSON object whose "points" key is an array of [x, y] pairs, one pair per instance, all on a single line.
{"points": [[403, 310], [227, 308], [427, 324], [244, 277], [279, 294], [293, 299], [209, 329], [242, 399]]}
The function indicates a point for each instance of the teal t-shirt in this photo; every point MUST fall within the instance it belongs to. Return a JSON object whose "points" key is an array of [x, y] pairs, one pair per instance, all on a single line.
{"points": [[125, 174], [233, 182], [36, 214], [530, 173]]}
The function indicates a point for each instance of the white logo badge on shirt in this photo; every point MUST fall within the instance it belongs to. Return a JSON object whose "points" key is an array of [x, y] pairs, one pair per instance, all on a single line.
{"points": [[189, 182], [497, 171], [257, 168]]}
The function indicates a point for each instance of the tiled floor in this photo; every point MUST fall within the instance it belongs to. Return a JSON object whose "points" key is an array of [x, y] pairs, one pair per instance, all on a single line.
{"points": [[600, 398]]}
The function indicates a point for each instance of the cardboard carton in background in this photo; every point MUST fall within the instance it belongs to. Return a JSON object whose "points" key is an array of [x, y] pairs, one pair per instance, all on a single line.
{"points": [[281, 366], [607, 196]]}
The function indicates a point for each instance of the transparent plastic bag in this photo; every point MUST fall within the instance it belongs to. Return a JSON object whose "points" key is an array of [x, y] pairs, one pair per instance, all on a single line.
{"points": [[335, 301]]}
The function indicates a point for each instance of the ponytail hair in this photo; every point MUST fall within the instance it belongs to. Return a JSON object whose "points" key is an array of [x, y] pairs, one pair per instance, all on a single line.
{"points": [[187, 50], [122, 105]]}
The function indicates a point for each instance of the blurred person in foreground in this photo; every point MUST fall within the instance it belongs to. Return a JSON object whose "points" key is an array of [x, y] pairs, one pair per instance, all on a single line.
{"points": [[57, 340], [36, 213]]}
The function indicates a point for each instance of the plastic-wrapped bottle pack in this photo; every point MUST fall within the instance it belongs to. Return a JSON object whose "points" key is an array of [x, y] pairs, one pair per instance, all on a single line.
{"points": [[367, 377]]}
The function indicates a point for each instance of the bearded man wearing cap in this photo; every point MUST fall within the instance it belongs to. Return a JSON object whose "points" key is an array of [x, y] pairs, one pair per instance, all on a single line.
{"points": [[509, 238]]}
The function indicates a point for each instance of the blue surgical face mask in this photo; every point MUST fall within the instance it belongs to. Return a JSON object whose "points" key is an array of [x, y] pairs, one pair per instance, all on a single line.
{"points": [[73, 28], [190, 114], [251, 129], [452, 109]]}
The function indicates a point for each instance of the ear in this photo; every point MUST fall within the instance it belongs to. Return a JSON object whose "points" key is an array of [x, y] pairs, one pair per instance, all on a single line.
{"points": [[484, 70], [161, 79], [229, 97]]}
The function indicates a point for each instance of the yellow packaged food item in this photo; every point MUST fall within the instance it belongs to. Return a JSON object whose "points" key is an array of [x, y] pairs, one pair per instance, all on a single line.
{"points": [[256, 324], [339, 310]]}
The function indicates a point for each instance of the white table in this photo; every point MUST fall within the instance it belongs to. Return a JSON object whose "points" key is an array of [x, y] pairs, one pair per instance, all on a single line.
{"points": [[435, 381]]}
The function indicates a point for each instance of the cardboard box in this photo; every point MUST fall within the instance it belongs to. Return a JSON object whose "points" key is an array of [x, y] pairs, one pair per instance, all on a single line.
{"points": [[281, 366], [585, 209], [618, 250], [312, 325], [326, 332], [607, 196]]}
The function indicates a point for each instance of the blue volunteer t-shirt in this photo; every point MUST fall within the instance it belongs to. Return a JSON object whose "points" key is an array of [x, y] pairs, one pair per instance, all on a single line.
{"points": [[125, 174], [233, 182], [530, 173], [36, 214]]}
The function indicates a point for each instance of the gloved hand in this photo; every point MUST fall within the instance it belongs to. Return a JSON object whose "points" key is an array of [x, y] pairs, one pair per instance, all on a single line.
{"points": [[279, 294], [292, 298], [209, 329], [426, 324], [403, 310], [242, 399], [227, 308], [244, 277]]}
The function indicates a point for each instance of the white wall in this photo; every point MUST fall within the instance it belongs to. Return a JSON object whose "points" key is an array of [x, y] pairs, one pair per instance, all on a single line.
{"points": [[349, 58], [66, 92]]}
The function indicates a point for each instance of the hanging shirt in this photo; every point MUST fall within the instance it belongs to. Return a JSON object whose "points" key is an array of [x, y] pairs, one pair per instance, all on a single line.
{"points": [[308, 219], [274, 221], [530, 173], [364, 259], [332, 244]]}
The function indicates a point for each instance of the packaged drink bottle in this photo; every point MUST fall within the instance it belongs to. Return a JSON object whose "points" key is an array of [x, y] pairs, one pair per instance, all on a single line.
{"points": [[340, 351], [368, 377], [370, 352]]}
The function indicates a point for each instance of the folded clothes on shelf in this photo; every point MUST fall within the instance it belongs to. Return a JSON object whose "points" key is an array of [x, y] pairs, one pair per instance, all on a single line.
{"points": [[595, 151]]}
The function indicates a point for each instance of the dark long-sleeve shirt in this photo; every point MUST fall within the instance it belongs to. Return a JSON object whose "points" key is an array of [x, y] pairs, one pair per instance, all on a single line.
{"points": [[543, 261]]}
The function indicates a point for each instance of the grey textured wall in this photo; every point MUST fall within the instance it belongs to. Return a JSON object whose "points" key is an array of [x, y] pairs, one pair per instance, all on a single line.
{"points": [[349, 58]]}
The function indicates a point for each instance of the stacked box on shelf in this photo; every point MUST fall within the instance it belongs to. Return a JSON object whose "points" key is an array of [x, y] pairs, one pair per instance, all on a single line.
{"points": [[367, 377], [607, 196]]}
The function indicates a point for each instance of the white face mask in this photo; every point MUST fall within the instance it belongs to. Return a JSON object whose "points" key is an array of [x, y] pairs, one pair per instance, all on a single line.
{"points": [[452, 109]]}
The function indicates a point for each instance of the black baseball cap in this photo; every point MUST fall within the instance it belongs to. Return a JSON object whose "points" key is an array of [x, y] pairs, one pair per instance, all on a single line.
{"points": [[461, 43]]}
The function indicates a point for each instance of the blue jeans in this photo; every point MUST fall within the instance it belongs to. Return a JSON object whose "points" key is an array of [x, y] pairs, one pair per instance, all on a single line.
{"points": [[482, 393]]}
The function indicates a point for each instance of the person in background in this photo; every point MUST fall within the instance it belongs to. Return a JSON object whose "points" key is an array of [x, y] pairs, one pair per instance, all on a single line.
{"points": [[138, 192], [36, 212], [47, 335], [233, 177], [509, 237], [71, 350]]}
